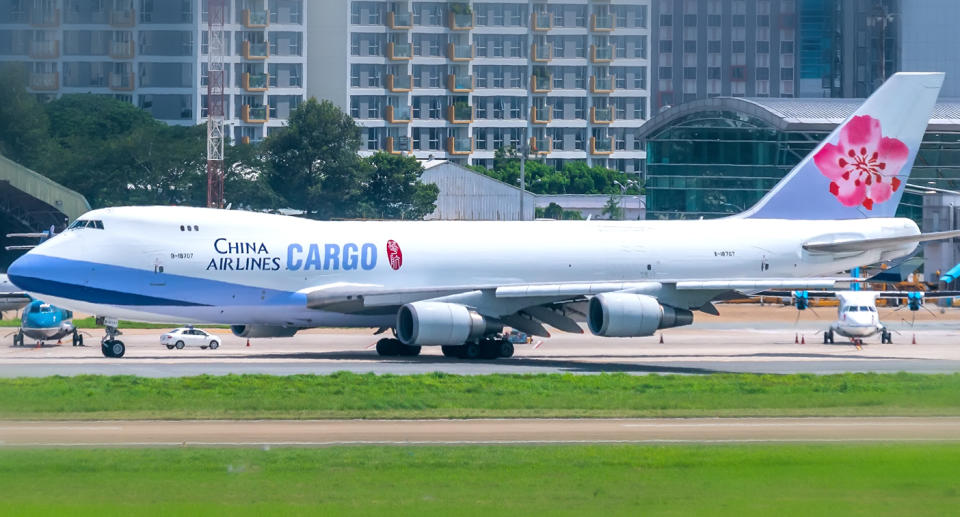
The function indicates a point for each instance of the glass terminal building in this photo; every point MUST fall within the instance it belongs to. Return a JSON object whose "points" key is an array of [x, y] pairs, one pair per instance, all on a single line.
{"points": [[715, 157]]}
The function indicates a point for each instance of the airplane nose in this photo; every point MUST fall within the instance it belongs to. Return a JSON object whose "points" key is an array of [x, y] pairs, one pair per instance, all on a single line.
{"points": [[25, 271]]}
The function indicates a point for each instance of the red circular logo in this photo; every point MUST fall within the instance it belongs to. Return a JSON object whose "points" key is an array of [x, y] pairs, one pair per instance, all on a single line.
{"points": [[394, 255]]}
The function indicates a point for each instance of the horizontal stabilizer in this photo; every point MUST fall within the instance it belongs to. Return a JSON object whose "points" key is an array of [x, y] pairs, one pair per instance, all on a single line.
{"points": [[856, 245]]}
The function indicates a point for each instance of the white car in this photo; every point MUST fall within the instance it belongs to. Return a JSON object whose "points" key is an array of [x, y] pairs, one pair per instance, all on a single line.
{"points": [[189, 336]]}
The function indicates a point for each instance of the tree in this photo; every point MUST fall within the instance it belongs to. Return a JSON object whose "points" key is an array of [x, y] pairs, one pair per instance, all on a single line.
{"points": [[245, 184], [576, 177], [553, 211], [612, 209], [23, 121], [313, 163], [393, 189]]}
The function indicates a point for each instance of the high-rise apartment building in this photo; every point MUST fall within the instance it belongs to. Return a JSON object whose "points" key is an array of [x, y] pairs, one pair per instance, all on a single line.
{"points": [[847, 48], [710, 48], [458, 80], [152, 53]]}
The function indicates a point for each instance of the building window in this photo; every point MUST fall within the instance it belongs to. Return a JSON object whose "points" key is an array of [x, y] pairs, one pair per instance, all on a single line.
{"points": [[666, 45], [640, 108], [690, 47], [640, 47], [580, 108], [786, 47], [480, 138], [558, 108], [516, 107], [690, 72], [640, 78], [714, 46], [666, 20], [689, 20], [666, 72], [578, 141], [480, 104], [714, 20]]}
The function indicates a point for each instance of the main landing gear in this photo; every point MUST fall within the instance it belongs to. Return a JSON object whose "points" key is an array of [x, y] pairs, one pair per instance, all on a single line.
{"points": [[828, 337], [18, 339], [391, 347], [77, 338], [886, 337], [484, 349], [110, 345]]}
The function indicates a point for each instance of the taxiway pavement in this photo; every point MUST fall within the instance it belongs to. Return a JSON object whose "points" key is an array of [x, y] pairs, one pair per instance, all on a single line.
{"points": [[745, 339]]}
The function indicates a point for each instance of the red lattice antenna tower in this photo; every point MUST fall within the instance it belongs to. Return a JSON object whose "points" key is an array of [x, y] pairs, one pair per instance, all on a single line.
{"points": [[216, 51]]}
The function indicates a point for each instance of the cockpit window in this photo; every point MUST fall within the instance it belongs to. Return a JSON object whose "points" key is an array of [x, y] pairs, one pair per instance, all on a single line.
{"points": [[86, 223], [853, 308]]}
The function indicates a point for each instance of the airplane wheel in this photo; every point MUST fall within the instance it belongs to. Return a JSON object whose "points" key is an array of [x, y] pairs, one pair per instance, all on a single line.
{"points": [[450, 351], [113, 348], [388, 347], [470, 351], [489, 349], [179, 345], [410, 351], [169, 347], [214, 345], [506, 348]]}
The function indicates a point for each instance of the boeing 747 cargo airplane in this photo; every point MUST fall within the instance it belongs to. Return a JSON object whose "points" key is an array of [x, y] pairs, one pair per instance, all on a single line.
{"points": [[449, 284]]}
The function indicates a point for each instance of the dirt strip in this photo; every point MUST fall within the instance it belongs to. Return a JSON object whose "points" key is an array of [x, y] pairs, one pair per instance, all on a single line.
{"points": [[506, 431]]}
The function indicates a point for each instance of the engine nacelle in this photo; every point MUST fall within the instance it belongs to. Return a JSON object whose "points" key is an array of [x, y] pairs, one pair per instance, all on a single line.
{"points": [[438, 323], [262, 331], [632, 315]]}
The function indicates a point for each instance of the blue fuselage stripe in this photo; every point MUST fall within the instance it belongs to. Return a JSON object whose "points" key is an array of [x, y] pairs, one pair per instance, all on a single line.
{"points": [[93, 294]]}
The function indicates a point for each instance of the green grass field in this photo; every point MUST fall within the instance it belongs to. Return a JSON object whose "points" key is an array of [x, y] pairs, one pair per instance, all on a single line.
{"points": [[782, 480], [347, 395]]}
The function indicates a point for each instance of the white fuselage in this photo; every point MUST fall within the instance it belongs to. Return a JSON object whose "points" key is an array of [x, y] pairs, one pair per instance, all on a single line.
{"points": [[249, 268], [857, 315]]}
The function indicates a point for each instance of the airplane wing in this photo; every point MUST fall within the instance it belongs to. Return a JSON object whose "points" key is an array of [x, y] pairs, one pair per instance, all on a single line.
{"points": [[859, 245], [527, 307]]}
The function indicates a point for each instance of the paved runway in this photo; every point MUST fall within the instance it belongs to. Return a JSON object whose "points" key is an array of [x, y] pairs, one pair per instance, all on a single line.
{"points": [[710, 345], [447, 432]]}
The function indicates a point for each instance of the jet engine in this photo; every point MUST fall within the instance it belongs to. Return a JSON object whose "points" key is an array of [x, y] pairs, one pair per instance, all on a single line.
{"points": [[632, 315], [262, 331], [438, 323]]}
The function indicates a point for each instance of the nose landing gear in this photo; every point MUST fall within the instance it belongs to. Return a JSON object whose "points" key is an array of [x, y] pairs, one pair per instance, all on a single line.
{"points": [[110, 346]]}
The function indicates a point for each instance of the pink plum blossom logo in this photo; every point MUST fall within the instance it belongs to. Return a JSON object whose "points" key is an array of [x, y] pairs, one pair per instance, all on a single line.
{"points": [[394, 255], [863, 165]]}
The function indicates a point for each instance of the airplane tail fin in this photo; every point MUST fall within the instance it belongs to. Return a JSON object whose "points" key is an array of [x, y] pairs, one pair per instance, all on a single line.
{"points": [[861, 169]]}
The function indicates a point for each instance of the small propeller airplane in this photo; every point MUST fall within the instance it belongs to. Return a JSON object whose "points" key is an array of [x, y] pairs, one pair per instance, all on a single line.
{"points": [[44, 322], [857, 315], [11, 298]]}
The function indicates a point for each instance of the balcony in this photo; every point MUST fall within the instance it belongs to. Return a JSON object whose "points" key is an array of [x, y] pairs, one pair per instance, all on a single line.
{"points": [[399, 51], [601, 115], [602, 84], [44, 49], [460, 83], [398, 145], [543, 115], [45, 17], [255, 114], [121, 49], [399, 83], [541, 53], [461, 21], [123, 17], [460, 114], [460, 145], [541, 21], [542, 145], [541, 83], [602, 22], [256, 82], [45, 82], [122, 82], [459, 52], [256, 51], [400, 20], [397, 114], [601, 54], [601, 145], [256, 19]]}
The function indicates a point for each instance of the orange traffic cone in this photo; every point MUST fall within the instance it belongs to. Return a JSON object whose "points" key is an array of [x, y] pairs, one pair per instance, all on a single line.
{"points": [[796, 339], [248, 342], [59, 341], [661, 338], [803, 340], [914, 339]]}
